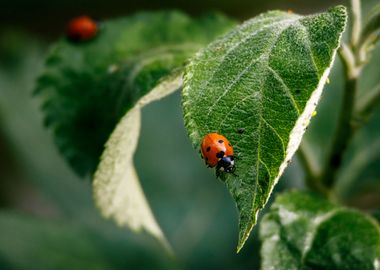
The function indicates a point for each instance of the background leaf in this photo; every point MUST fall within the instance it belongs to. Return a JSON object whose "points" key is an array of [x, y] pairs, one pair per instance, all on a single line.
{"points": [[303, 231], [266, 77], [118, 193], [87, 87]]}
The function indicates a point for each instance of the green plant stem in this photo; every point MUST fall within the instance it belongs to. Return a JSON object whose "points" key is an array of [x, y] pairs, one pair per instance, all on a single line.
{"points": [[343, 133], [356, 22], [345, 128], [349, 61]]}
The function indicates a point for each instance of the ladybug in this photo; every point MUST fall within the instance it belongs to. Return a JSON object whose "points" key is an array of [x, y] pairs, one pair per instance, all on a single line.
{"points": [[217, 152], [81, 29]]}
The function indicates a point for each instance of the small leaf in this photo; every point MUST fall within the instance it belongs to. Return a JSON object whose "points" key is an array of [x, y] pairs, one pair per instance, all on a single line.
{"points": [[87, 87], [117, 191], [265, 77], [303, 231]]}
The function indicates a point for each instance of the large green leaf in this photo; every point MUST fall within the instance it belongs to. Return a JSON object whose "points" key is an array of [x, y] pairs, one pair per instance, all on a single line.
{"points": [[303, 231], [265, 77], [87, 87]]}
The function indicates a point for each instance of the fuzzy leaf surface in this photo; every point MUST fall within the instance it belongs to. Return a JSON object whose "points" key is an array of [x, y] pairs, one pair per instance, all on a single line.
{"points": [[304, 231], [258, 85]]}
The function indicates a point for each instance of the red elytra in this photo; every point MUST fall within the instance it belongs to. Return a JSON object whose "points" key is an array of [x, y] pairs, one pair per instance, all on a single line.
{"points": [[218, 151], [81, 28]]}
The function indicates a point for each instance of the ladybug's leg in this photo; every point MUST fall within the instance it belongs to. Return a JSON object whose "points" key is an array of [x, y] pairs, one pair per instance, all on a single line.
{"points": [[217, 173], [221, 176], [233, 172]]}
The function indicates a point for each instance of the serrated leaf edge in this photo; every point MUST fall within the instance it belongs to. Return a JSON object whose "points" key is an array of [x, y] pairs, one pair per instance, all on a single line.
{"points": [[297, 133]]}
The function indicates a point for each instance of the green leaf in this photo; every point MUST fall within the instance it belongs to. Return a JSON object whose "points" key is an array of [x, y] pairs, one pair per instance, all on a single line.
{"points": [[117, 191], [265, 77], [87, 87], [304, 231], [34, 243]]}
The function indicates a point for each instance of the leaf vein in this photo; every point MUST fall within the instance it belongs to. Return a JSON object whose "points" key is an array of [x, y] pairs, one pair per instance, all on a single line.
{"points": [[287, 23], [287, 90], [259, 128], [275, 132], [264, 55], [308, 44]]}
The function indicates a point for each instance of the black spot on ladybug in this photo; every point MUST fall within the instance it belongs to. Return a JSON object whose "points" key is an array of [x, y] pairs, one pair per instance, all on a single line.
{"points": [[298, 91], [220, 154], [220, 141], [208, 149], [240, 130]]}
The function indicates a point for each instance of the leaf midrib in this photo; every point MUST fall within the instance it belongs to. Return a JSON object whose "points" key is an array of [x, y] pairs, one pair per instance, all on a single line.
{"points": [[258, 160]]}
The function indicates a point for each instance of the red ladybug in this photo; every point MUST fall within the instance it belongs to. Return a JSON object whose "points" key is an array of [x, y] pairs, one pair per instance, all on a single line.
{"points": [[217, 151], [81, 29]]}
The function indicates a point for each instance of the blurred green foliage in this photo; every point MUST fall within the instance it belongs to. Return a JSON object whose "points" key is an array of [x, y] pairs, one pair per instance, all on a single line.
{"points": [[99, 81], [46, 211]]}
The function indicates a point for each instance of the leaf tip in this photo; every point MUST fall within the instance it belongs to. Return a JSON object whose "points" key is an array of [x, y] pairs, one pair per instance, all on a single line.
{"points": [[244, 231], [340, 12], [339, 9]]}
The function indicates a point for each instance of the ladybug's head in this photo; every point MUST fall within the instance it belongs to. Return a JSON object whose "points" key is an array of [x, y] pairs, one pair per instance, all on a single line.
{"points": [[226, 164]]}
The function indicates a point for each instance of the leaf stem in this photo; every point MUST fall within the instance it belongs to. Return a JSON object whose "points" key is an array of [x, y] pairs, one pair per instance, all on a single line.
{"points": [[356, 22], [348, 58], [343, 134], [345, 127]]}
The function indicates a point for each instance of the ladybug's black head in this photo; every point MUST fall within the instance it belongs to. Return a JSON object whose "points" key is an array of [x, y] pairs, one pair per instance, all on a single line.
{"points": [[226, 164]]}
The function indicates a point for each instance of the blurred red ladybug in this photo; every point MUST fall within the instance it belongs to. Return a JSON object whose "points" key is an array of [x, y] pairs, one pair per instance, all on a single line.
{"points": [[81, 29], [218, 152]]}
